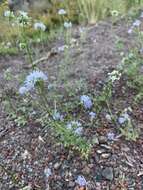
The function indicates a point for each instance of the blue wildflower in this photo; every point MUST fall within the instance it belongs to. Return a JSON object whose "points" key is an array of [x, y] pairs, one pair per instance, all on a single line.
{"points": [[123, 118], [72, 124], [86, 101], [92, 115], [75, 126], [61, 12], [78, 131], [110, 136], [39, 26], [67, 25], [31, 81], [23, 90], [137, 23], [81, 181]]}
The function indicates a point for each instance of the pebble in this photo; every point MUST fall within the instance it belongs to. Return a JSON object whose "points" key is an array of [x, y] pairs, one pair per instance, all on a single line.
{"points": [[71, 184], [105, 155], [86, 170], [103, 139], [107, 173], [57, 165], [100, 151]]}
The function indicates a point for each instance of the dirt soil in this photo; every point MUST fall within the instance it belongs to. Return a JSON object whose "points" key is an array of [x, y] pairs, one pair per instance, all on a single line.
{"points": [[26, 152]]}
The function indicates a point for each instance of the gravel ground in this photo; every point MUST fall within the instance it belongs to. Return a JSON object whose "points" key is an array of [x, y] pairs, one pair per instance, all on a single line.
{"points": [[31, 158]]}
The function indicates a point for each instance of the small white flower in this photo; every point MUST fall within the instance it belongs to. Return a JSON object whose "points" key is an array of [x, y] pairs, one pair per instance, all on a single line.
{"points": [[114, 75], [86, 101], [137, 23], [61, 12], [39, 26], [81, 181], [67, 24]]}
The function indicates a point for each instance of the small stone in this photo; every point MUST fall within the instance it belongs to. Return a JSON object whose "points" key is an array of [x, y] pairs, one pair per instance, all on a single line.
{"points": [[107, 173], [108, 117], [86, 170], [95, 140], [103, 139], [57, 165], [71, 184], [105, 155], [100, 151], [106, 146]]}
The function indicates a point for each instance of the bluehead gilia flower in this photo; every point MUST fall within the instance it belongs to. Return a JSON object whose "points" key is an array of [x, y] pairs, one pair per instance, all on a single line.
{"points": [[76, 127], [72, 124], [92, 115], [67, 25], [61, 12], [86, 101], [78, 131], [31, 81], [123, 118], [81, 181], [39, 26], [110, 136], [137, 23]]}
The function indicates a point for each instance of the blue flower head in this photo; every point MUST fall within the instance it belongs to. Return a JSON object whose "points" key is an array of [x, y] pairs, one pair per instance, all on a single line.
{"points": [[81, 181], [31, 81], [86, 101], [92, 115]]}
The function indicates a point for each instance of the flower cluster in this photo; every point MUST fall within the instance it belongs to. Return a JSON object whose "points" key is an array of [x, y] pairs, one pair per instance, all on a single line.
{"points": [[61, 12], [92, 115], [67, 25], [39, 26], [81, 181], [86, 101], [75, 126], [123, 118], [135, 24], [31, 80]]}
